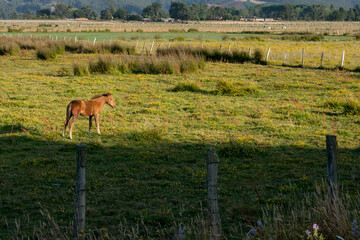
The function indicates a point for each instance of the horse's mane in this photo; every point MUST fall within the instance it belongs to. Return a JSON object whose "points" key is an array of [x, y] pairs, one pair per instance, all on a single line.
{"points": [[102, 95]]}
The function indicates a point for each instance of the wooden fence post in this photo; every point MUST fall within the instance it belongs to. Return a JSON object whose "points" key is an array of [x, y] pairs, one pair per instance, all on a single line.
{"points": [[285, 58], [94, 41], [322, 60], [152, 45], [229, 47], [143, 48], [331, 146], [303, 58], [220, 47], [212, 199], [249, 52], [267, 54], [342, 59], [81, 157]]}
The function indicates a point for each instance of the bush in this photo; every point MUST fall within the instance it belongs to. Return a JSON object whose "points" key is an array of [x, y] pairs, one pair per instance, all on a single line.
{"points": [[149, 135], [230, 89], [49, 51], [179, 39], [80, 69], [258, 56], [303, 37], [240, 57], [188, 66], [10, 48], [240, 147], [225, 37], [103, 65], [187, 87], [351, 107], [193, 30]]}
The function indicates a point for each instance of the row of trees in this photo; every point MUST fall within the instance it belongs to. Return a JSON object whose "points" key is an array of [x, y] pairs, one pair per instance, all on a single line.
{"points": [[180, 10]]}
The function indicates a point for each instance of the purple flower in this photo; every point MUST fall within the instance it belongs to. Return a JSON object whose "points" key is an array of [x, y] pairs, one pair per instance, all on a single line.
{"points": [[180, 235], [307, 232], [315, 227], [354, 224], [260, 224], [253, 231]]}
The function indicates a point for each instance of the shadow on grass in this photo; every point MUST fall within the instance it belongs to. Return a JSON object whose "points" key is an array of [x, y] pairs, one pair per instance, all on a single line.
{"points": [[154, 179]]}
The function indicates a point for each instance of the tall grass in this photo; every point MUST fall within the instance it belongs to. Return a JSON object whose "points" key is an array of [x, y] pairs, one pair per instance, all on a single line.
{"points": [[140, 65], [336, 218], [211, 54], [331, 220], [9, 48], [49, 51]]}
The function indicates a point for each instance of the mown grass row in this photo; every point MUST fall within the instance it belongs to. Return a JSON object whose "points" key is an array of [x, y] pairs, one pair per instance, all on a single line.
{"points": [[139, 65]]}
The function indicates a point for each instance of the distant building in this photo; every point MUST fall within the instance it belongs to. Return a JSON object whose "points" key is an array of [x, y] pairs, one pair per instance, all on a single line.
{"points": [[166, 19], [145, 20], [81, 19]]}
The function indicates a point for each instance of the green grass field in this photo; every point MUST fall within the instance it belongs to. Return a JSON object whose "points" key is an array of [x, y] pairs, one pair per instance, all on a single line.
{"points": [[149, 163]]}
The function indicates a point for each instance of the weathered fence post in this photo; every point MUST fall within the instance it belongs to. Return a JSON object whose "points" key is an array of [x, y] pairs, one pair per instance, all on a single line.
{"points": [[342, 59], [152, 45], [81, 156], [285, 58], [212, 199], [331, 146], [249, 52], [220, 47], [322, 60], [94, 41], [267, 54], [229, 47], [143, 48], [303, 58]]}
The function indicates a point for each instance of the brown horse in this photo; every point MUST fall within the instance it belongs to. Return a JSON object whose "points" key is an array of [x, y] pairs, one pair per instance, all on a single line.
{"points": [[89, 108]]}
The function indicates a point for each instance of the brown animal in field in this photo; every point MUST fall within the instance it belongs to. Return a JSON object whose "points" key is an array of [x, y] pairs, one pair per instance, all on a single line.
{"points": [[89, 108]]}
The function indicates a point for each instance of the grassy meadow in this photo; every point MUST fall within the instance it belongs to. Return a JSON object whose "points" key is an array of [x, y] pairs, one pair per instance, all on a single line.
{"points": [[146, 172]]}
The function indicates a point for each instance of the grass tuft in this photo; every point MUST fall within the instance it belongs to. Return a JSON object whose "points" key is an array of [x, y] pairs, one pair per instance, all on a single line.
{"points": [[190, 86]]}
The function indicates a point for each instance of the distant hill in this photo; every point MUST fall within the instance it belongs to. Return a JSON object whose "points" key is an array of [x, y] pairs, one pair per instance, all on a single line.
{"points": [[337, 3], [137, 6]]}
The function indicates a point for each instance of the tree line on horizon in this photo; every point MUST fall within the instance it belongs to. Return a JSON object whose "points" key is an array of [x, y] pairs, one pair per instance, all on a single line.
{"points": [[197, 12]]}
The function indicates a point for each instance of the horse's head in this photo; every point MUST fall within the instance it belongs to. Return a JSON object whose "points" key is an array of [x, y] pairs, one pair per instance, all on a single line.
{"points": [[110, 100]]}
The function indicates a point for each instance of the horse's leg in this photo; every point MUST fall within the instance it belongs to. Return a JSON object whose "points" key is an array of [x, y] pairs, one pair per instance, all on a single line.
{"points": [[97, 123], [90, 122], [72, 123], [66, 123]]}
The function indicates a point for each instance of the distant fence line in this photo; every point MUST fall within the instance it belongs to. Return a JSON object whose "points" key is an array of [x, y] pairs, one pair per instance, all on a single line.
{"points": [[149, 46]]}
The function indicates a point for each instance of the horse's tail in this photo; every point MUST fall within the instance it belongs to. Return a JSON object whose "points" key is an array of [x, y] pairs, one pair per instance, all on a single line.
{"points": [[68, 112]]}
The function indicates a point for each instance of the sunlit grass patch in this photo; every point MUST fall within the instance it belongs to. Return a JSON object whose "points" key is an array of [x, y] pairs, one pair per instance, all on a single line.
{"points": [[80, 69], [49, 51], [154, 134], [350, 106], [240, 146], [232, 89], [190, 86]]}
